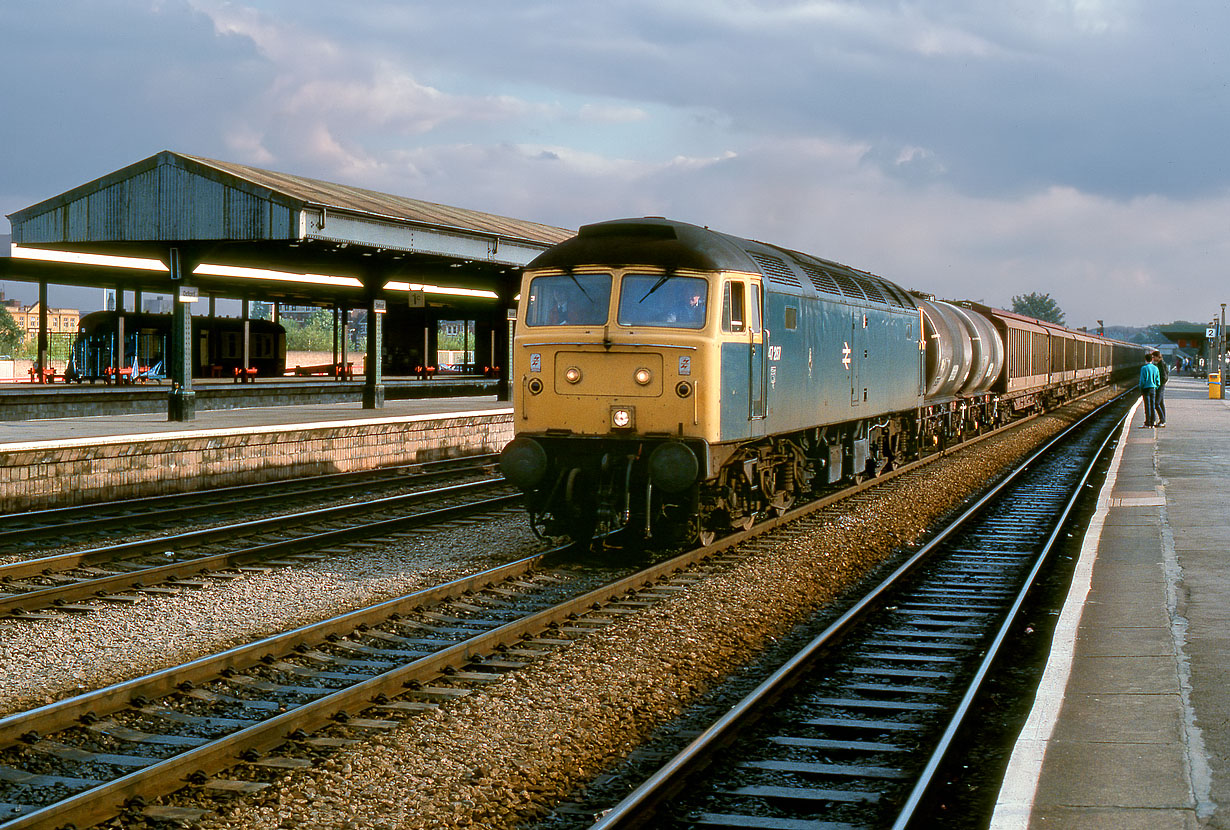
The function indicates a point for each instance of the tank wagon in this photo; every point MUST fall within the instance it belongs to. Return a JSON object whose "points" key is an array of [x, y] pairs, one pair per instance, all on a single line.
{"points": [[217, 347], [681, 382]]}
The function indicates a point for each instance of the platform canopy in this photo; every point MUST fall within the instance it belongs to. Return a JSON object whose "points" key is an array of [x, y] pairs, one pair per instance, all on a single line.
{"points": [[255, 233]]}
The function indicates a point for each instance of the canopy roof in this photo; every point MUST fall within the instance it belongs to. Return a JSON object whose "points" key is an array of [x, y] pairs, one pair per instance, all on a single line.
{"points": [[236, 216]]}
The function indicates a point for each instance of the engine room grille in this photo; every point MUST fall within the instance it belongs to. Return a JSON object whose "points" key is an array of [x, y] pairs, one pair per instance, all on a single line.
{"points": [[848, 285], [820, 278], [775, 269], [871, 289]]}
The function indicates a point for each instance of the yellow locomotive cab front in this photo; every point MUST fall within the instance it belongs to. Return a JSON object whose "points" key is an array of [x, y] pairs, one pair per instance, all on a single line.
{"points": [[606, 353]]}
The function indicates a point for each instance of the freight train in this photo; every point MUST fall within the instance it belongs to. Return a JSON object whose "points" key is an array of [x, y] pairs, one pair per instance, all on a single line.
{"points": [[217, 347], [678, 382]]}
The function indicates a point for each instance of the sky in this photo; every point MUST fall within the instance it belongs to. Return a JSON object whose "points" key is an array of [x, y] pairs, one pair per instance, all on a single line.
{"points": [[973, 150]]}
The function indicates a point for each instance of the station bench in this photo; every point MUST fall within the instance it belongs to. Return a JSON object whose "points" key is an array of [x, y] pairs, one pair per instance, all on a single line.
{"points": [[345, 372], [48, 375]]}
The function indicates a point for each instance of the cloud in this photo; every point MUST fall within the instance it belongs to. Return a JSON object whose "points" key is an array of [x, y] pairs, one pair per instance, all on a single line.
{"points": [[1065, 146]]}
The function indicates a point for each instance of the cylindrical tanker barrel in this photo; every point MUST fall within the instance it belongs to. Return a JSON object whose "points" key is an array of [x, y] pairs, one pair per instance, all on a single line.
{"points": [[986, 352], [948, 347], [997, 353]]}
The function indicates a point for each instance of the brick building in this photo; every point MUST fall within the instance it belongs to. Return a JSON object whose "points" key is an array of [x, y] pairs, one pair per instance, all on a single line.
{"points": [[59, 320]]}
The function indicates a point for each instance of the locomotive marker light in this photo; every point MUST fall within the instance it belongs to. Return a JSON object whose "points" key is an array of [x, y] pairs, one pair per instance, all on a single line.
{"points": [[643, 376], [572, 374]]}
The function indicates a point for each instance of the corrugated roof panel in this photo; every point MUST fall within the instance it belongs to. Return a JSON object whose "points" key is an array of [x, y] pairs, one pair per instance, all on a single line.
{"points": [[359, 200], [172, 196]]}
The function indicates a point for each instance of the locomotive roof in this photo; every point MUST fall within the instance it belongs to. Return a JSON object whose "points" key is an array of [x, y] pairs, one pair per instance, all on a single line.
{"points": [[671, 245]]}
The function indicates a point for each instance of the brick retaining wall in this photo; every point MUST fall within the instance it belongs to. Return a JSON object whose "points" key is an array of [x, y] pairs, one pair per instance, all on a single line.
{"points": [[80, 471]]}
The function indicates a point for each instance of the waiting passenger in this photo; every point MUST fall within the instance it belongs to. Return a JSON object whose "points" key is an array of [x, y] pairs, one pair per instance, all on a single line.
{"points": [[1150, 380]]}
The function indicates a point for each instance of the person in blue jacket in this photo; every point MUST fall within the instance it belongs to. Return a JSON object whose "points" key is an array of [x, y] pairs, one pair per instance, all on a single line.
{"points": [[1150, 382], [1159, 407]]}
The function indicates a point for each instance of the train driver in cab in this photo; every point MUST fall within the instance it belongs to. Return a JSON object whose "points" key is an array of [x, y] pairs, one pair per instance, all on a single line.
{"points": [[688, 307]]}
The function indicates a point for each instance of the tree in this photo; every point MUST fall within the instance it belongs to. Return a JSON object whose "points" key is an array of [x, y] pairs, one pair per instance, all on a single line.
{"points": [[1038, 306], [10, 335], [314, 335]]}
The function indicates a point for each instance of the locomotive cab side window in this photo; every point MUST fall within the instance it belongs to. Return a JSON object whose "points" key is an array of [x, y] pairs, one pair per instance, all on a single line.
{"points": [[733, 307], [741, 307]]}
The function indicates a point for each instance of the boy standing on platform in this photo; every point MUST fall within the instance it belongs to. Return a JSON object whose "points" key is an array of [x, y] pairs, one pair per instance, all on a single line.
{"points": [[1159, 408], [1150, 382]]}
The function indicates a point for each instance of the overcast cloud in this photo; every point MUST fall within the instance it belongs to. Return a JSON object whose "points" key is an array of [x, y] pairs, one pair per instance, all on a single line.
{"points": [[975, 150]]}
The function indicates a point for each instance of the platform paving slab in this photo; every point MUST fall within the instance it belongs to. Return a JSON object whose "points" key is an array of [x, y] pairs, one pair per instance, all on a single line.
{"points": [[1131, 725]]}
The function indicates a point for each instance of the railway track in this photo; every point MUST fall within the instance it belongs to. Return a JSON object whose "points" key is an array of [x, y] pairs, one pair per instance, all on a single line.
{"points": [[255, 710], [22, 532], [67, 581], [849, 732], [256, 707]]}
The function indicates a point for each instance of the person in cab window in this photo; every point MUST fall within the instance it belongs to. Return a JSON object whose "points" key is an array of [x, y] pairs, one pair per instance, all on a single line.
{"points": [[694, 312]]}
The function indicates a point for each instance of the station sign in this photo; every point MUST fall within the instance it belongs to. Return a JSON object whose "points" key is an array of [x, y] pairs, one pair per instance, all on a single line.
{"points": [[188, 294], [379, 306], [418, 299], [1210, 332]]}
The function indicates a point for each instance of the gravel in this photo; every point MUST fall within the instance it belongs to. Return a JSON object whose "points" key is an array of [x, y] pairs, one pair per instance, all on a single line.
{"points": [[42, 661]]}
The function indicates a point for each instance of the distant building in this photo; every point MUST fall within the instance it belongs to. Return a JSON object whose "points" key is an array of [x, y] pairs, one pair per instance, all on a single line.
{"points": [[157, 305], [59, 320], [1187, 336]]}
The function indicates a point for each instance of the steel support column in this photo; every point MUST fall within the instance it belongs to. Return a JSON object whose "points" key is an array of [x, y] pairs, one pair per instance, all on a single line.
{"points": [[502, 345], [181, 405], [42, 329], [373, 387], [247, 336]]}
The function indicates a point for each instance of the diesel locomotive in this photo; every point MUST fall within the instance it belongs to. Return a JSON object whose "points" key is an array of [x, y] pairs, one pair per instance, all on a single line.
{"points": [[679, 382]]}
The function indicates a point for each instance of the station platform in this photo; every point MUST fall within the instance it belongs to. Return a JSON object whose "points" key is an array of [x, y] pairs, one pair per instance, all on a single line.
{"points": [[1131, 724], [23, 401], [55, 462], [55, 431]]}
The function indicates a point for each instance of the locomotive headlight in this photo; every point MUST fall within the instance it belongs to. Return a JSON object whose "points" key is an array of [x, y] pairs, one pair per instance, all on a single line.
{"points": [[683, 389], [535, 386], [643, 376], [572, 374], [621, 417]]}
